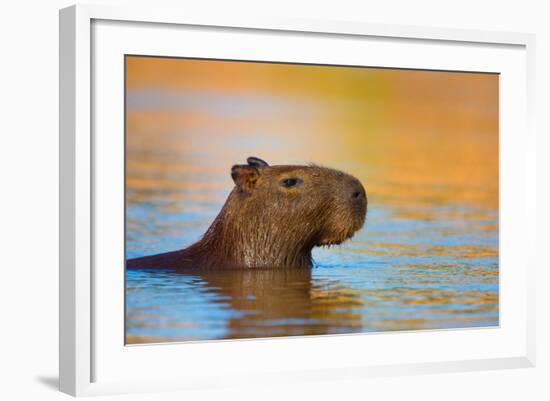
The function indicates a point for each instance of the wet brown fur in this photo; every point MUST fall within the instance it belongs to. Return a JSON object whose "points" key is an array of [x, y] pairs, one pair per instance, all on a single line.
{"points": [[265, 224]]}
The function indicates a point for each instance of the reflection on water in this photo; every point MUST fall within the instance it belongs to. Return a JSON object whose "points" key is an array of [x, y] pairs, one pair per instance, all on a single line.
{"points": [[244, 304], [424, 144]]}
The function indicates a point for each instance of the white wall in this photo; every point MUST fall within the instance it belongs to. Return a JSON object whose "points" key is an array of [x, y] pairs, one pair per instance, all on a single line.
{"points": [[28, 212]]}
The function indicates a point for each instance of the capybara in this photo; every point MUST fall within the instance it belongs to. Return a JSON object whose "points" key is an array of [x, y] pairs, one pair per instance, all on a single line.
{"points": [[273, 218]]}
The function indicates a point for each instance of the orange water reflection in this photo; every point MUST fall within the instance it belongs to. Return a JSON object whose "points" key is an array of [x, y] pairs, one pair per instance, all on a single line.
{"points": [[424, 143]]}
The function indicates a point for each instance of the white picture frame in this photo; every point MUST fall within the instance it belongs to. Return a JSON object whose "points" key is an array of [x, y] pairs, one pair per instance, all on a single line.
{"points": [[80, 157]]}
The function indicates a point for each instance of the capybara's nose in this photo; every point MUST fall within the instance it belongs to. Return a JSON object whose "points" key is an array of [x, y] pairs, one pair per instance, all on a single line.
{"points": [[357, 191]]}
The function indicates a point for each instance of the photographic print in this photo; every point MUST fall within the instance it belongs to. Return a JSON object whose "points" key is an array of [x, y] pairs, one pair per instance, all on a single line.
{"points": [[268, 199]]}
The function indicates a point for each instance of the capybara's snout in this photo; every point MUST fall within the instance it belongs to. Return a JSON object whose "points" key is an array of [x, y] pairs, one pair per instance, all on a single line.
{"points": [[354, 194], [357, 198], [356, 191]]}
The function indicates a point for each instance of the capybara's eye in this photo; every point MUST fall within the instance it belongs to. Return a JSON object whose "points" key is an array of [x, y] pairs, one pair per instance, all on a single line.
{"points": [[291, 182]]}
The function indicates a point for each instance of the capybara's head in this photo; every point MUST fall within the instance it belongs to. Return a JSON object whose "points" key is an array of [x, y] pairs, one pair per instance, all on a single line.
{"points": [[273, 218], [310, 205]]}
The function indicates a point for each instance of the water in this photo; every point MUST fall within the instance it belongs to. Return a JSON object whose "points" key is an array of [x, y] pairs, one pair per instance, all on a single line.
{"points": [[395, 274], [439, 279], [427, 257]]}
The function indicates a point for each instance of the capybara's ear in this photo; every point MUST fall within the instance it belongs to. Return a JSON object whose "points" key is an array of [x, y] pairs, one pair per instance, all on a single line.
{"points": [[245, 177], [256, 162]]}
